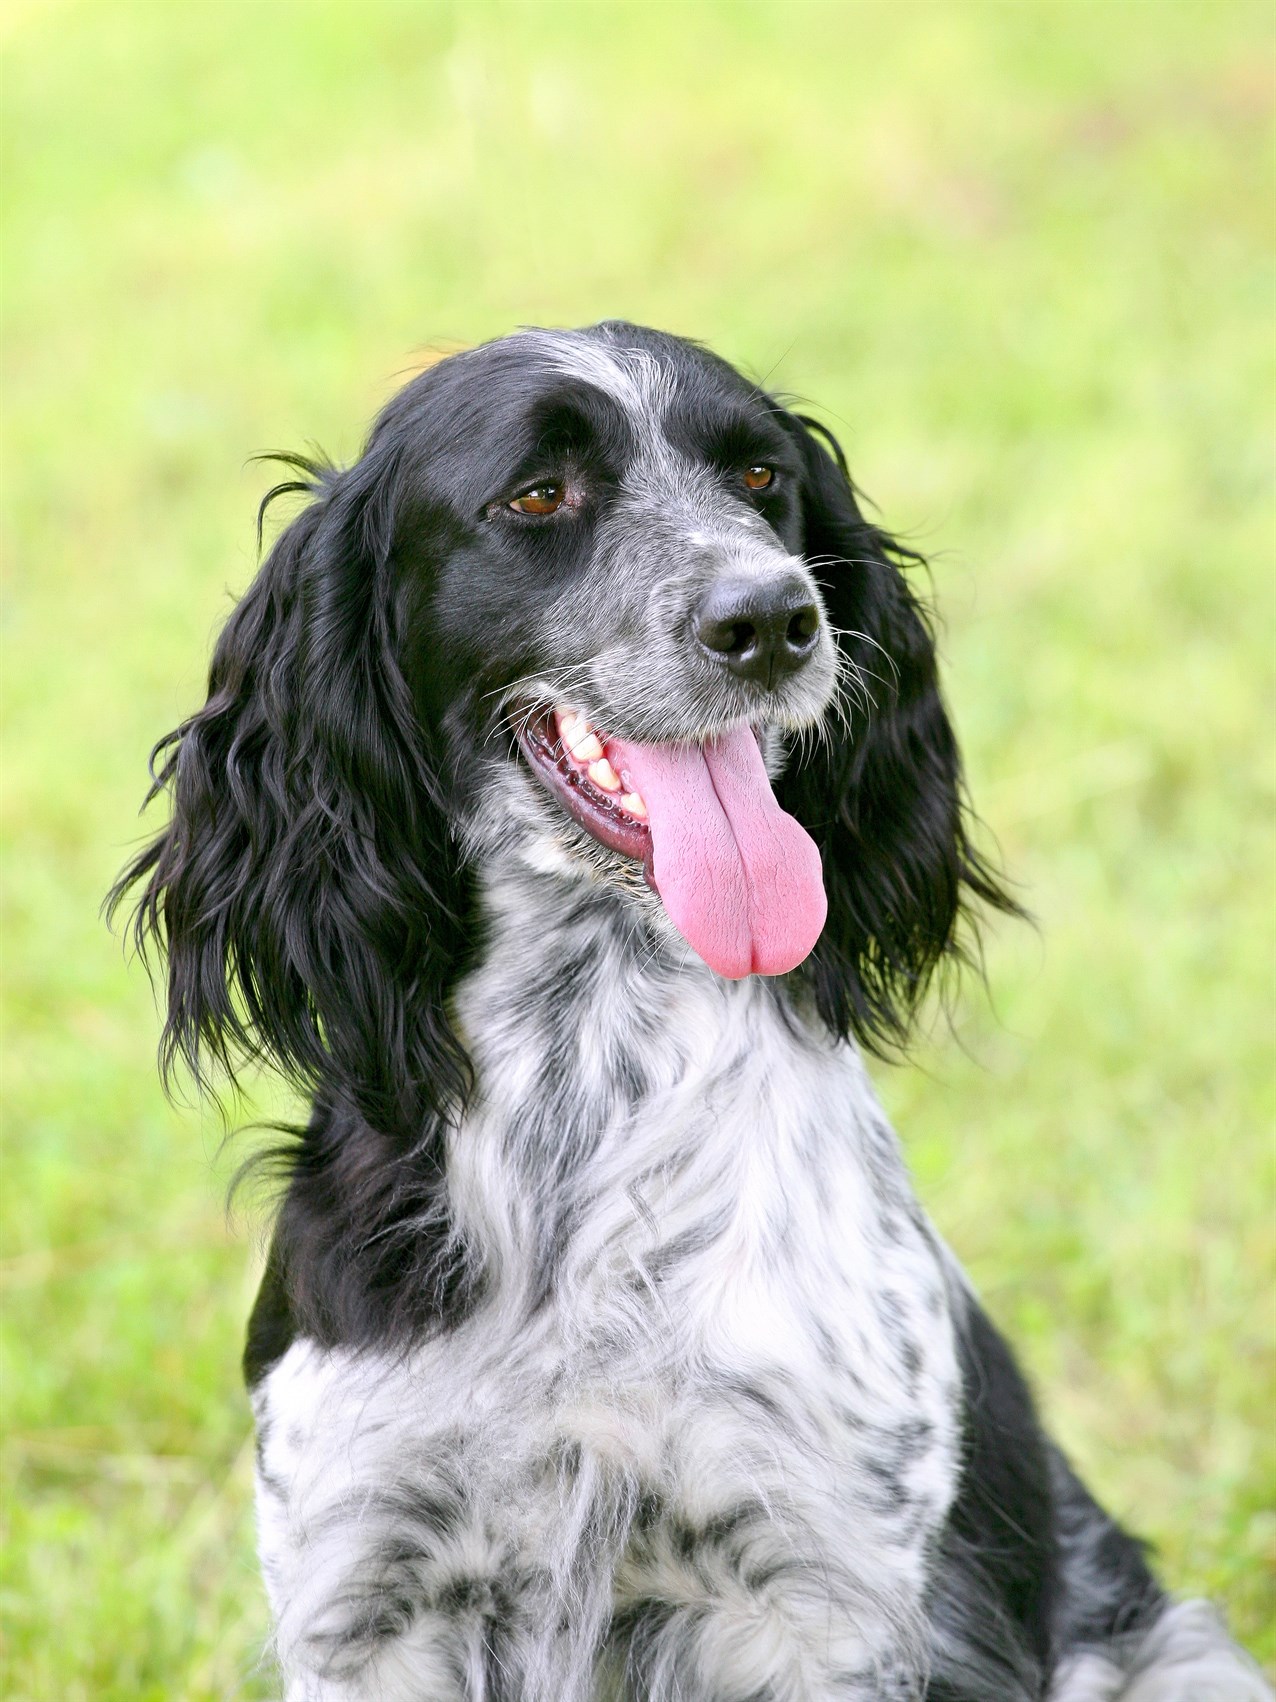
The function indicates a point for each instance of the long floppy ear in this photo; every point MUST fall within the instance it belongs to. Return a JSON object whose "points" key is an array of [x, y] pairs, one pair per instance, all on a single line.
{"points": [[882, 794], [306, 891]]}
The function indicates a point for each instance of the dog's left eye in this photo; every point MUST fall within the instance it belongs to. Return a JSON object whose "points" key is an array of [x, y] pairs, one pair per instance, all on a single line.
{"points": [[541, 499], [759, 477]]}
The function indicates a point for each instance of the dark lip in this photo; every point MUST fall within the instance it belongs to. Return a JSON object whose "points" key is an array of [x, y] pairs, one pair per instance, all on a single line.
{"points": [[589, 807]]}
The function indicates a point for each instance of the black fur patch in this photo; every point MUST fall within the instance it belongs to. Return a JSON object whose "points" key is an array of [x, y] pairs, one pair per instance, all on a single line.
{"points": [[1029, 1566]]}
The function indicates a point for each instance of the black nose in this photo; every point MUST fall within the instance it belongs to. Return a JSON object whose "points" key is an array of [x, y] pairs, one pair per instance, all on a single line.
{"points": [[763, 630]]}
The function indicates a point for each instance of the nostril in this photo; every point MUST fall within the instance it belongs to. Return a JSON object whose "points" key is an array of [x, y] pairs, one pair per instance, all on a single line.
{"points": [[727, 637], [803, 626]]}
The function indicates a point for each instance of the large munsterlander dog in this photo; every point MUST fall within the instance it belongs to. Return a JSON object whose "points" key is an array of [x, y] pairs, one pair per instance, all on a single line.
{"points": [[573, 786]]}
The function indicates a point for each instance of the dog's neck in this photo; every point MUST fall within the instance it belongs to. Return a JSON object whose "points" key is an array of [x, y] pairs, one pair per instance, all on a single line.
{"points": [[578, 999], [629, 1103]]}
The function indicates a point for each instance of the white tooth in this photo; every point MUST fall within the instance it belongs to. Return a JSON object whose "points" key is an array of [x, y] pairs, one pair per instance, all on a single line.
{"points": [[567, 719], [584, 743], [604, 775], [633, 803]]}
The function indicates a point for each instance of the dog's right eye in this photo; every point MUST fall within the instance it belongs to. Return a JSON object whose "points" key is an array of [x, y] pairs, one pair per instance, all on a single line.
{"points": [[541, 499]]}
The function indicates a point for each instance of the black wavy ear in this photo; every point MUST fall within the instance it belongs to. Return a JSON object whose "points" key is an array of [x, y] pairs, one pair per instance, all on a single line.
{"points": [[306, 891], [882, 794]]}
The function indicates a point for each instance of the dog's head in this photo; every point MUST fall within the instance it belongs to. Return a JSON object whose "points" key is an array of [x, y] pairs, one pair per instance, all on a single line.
{"points": [[591, 603]]}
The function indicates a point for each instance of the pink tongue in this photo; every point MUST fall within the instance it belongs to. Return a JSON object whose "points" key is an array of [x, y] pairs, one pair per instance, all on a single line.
{"points": [[740, 879]]}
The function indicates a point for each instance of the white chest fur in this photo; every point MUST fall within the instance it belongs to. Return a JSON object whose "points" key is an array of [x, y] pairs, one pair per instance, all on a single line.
{"points": [[699, 1431]]}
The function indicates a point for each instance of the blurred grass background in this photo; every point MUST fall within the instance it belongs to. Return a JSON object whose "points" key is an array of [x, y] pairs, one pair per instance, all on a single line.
{"points": [[1021, 256]]}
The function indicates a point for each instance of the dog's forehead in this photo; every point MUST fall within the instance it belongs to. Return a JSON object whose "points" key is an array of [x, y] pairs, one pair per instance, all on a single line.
{"points": [[634, 378], [659, 382], [650, 400]]}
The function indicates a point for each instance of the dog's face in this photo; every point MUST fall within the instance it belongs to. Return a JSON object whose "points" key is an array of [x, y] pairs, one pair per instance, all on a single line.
{"points": [[621, 570], [628, 538], [589, 599]]}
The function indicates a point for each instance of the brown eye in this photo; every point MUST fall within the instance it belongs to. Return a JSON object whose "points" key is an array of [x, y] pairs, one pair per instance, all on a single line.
{"points": [[541, 499], [758, 478]]}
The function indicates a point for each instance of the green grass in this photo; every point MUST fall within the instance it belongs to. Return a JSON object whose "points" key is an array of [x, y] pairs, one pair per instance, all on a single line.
{"points": [[1021, 256]]}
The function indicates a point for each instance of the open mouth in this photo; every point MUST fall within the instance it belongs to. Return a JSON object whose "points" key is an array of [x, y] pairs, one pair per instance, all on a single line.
{"points": [[571, 759], [739, 879]]}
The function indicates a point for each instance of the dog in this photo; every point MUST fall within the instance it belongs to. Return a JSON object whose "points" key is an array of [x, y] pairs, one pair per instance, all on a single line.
{"points": [[573, 803]]}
